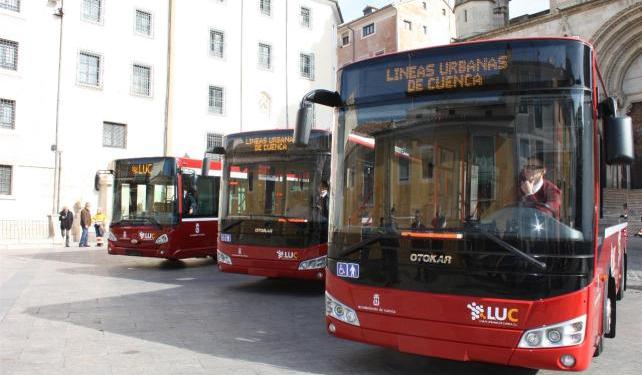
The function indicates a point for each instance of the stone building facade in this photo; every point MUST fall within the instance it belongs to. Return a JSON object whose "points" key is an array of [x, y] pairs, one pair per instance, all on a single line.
{"points": [[401, 25]]}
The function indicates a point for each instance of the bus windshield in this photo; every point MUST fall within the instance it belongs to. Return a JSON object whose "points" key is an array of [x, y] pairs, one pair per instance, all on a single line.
{"points": [[283, 189], [145, 192]]}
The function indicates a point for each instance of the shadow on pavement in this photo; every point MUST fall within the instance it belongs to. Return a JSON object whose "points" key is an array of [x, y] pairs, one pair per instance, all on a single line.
{"points": [[270, 321]]}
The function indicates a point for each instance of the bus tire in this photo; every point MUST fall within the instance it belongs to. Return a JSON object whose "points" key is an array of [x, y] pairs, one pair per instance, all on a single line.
{"points": [[610, 301], [620, 291]]}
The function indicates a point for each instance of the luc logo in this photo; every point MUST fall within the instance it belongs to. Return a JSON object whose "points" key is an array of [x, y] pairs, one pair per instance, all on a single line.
{"points": [[375, 300]]}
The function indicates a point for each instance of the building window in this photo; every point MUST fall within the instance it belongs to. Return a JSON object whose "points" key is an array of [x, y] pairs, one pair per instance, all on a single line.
{"points": [[8, 54], [142, 80], [265, 56], [92, 10], [7, 114], [217, 43], [266, 7], [213, 140], [89, 69], [216, 101], [407, 25], [305, 17], [465, 15], [345, 39], [425, 30], [425, 5], [114, 135], [5, 179], [443, 11], [143, 22], [368, 30], [404, 169], [307, 65], [13, 5]]}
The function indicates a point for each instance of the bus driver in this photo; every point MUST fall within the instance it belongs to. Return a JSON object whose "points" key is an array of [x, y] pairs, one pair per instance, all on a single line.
{"points": [[537, 190]]}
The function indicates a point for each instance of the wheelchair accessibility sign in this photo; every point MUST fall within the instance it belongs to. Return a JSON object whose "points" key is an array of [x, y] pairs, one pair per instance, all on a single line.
{"points": [[350, 270]]}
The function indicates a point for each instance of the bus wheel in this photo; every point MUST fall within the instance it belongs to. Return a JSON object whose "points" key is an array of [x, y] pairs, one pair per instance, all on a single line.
{"points": [[611, 310]]}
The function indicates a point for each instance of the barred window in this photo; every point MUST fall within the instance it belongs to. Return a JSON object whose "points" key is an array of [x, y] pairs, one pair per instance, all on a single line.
{"points": [[13, 5], [217, 43], [367, 30], [114, 135], [214, 140], [216, 99], [265, 56], [142, 80], [89, 69], [305, 17], [143, 22], [7, 114], [5, 179], [92, 10], [8, 54], [307, 65], [266, 7]]}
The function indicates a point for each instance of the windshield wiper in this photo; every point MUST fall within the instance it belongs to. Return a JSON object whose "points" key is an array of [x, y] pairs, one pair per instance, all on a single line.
{"points": [[359, 245], [541, 265]]}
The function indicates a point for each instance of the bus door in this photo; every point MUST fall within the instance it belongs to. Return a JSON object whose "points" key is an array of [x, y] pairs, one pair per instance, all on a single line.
{"points": [[198, 230]]}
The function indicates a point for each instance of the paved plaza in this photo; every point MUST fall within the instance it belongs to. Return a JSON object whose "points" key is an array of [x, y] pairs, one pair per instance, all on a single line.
{"points": [[81, 311]]}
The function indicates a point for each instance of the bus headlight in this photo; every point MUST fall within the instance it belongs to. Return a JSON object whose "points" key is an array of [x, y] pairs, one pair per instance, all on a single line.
{"points": [[162, 239], [222, 257], [313, 264], [567, 333], [339, 311], [112, 237]]}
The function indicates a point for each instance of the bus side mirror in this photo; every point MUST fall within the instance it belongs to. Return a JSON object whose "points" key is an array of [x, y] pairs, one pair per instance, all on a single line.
{"points": [[618, 134], [205, 168], [303, 127], [305, 114]]}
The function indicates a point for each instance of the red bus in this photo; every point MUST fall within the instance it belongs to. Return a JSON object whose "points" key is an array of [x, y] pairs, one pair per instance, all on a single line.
{"points": [[273, 214], [165, 207], [466, 187]]}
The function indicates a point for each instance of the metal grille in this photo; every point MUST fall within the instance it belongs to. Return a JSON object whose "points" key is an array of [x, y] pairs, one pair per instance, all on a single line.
{"points": [[114, 135], [305, 17], [142, 80], [92, 10], [143, 22], [10, 4], [7, 113], [307, 66], [217, 43], [266, 7], [89, 69], [8, 54], [216, 99], [265, 58], [214, 140], [5, 179]]}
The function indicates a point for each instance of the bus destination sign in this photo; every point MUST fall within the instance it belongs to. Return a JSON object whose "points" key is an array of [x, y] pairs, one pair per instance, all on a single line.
{"points": [[140, 169], [274, 143], [447, 74]]}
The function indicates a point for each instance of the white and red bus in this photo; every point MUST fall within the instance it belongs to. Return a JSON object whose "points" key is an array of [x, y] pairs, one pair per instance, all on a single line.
{"points": [[438, 246], [165, 207], [273, 218]]}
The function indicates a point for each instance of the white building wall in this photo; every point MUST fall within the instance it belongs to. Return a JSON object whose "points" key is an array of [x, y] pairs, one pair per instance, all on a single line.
{"points": [[476, 17], [26, 148]]}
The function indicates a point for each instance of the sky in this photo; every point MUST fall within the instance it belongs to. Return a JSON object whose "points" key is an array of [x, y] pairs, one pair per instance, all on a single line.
{"points": [[352, 9]]}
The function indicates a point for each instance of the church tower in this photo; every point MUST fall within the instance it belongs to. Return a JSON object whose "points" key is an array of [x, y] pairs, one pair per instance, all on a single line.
{"points": [[474, 17]]}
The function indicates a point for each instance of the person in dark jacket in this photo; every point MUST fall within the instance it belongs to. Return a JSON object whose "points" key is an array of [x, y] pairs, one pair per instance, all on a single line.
{"points": [[85, 222], [544, 195], [66, 219]]}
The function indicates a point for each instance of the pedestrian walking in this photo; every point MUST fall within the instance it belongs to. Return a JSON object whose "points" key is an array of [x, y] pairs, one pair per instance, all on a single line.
{"points": [[99, 226], [85, 222], [66, 219]]}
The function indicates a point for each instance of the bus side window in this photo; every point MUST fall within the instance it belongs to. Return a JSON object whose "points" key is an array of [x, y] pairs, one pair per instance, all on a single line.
{"points": [[207, 188]]}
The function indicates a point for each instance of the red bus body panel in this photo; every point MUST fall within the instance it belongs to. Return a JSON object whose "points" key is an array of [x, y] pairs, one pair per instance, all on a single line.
{"points": [[441, 326], [264, 261]]}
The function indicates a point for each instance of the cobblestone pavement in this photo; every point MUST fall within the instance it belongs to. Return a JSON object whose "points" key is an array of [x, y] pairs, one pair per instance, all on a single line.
{"points": [[73, 311]]}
